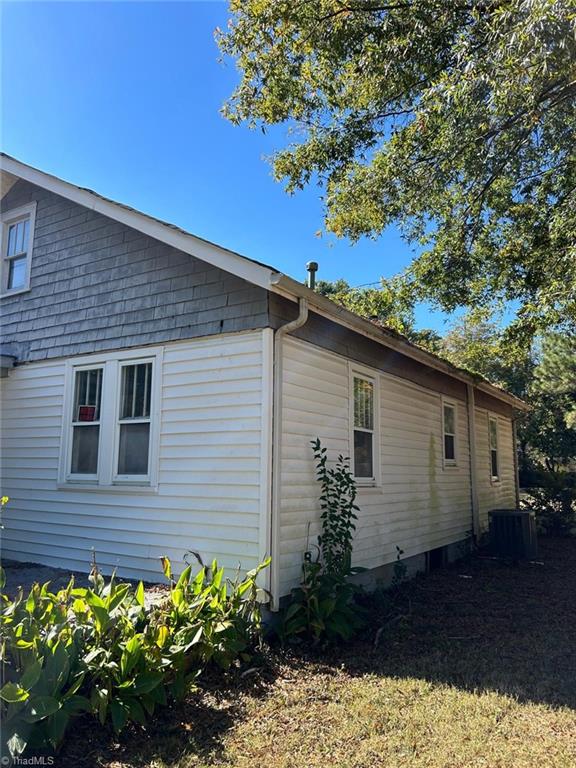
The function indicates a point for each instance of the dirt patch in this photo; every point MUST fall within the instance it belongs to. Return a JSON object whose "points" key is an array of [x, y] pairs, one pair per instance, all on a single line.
{"points": [[24, 575]]}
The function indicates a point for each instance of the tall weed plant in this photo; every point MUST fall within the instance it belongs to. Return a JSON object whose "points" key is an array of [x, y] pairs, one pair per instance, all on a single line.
{"points": [[323, 607]]}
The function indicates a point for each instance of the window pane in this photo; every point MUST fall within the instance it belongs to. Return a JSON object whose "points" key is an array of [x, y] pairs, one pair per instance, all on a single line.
{"points": [[136, 391], [85, 450], [494, 463], [493, 433], [17, 273], [20, 237], [363, 404], [12, 233], [133, 449], [87, 395], [449, 452], [25, 233], [363, 454], [449, 419]]}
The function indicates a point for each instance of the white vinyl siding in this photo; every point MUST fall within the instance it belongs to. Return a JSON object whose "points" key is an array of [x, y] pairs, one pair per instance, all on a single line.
{"points": [[417, 506], [213, 469], [494, 493]]}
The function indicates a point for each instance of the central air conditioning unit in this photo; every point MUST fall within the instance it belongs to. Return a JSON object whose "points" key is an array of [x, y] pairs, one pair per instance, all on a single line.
{"points": [[513, 534]]}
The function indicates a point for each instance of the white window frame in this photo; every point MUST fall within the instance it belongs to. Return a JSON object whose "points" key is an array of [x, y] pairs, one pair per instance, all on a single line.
{"points": [[8, 218], [448, 463], [492, 417], [107, 476], [367, 374]]}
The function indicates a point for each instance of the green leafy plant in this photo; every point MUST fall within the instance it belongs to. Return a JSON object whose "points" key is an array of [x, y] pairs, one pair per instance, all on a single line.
{"points": [[337, 502], [554, 503], [323, 607], [101, 650]]}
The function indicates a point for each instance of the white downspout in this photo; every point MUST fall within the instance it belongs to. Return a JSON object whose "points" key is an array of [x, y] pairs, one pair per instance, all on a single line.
{"points": [[470, 404], [277, 449]]}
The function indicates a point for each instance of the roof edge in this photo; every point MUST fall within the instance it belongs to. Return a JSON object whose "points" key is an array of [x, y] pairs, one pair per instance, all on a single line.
{"points": [[241, 266], [282, 284]]}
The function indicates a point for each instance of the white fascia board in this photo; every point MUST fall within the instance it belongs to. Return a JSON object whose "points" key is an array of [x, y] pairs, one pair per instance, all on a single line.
{"points": [[286, 286], [255, 273]]}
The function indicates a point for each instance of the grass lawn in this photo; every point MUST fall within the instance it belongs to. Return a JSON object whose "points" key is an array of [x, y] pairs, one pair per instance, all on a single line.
{"points": [[477, 671]]}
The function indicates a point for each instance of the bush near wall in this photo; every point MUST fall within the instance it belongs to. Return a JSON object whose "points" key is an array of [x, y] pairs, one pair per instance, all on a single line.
{"points": [[101, 650], [554, 503]]}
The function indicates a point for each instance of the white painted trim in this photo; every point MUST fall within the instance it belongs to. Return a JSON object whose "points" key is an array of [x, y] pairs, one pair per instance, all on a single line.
{"points": [[7, 218], [368, 374], [449, 463], [238, 265], [266, 450]]}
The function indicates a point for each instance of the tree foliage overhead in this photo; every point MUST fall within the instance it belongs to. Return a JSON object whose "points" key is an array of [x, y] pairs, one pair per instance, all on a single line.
{"points": [[386, 305], [455, 120]]}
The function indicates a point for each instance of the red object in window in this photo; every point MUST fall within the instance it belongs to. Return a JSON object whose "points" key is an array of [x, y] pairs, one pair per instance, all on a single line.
{"points": [[87, 413]]}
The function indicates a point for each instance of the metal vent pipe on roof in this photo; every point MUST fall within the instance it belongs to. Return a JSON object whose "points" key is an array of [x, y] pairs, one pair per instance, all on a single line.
{"points": [[312, 268]]}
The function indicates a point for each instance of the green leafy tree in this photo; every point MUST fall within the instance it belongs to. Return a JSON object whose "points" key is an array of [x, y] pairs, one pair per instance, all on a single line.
{"points": [[455, 120], [387, 305], [482, 347], [552, 426]]}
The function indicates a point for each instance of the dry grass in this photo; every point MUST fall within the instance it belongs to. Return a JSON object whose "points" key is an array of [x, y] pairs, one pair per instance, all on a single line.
{"points": [[478, 672]]}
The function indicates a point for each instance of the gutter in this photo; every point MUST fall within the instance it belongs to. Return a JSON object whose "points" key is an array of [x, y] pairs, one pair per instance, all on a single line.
{"points": [[292, 290], [293, 325]]}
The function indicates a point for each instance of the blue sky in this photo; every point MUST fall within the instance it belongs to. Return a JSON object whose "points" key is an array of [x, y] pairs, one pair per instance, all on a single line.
{"points": [[124, 98]]}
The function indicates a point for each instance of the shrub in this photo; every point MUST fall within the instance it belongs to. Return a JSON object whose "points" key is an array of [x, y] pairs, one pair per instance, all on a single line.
{"points": [[100, 650], [554, 503], [323, 606]]}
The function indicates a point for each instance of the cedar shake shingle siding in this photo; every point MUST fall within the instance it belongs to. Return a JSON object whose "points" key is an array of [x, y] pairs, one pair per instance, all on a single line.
{"points": [[97, 284]]}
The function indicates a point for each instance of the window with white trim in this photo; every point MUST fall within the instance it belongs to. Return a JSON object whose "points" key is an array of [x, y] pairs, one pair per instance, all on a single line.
{"points": [[17, 239], [449, 429], [493, 441], [364, 418], [112, 421]]}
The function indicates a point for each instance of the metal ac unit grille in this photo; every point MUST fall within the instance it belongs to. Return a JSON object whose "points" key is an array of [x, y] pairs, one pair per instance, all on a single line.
{"points": [[513, 533]]}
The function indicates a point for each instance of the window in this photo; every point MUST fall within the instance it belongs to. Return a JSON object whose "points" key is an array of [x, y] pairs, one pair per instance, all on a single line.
{"points": [[493, 438], [111, 423], [17, 238], [86, 422], [134, 421], [364, 420], [449, 426]]}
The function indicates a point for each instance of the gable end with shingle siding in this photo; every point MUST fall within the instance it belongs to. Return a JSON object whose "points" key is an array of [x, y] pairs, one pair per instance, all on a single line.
{"points": [[97, 284]]}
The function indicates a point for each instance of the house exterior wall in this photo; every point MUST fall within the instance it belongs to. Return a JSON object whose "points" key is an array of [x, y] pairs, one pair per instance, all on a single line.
{"points": [[212, 494], [501, 493], [97, 284], [418, 505], [331, 336]]}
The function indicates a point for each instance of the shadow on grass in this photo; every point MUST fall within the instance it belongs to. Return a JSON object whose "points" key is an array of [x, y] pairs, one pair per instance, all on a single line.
{"points": [[480, 625], [194, 727]]}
